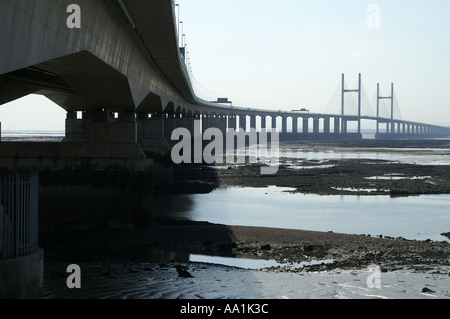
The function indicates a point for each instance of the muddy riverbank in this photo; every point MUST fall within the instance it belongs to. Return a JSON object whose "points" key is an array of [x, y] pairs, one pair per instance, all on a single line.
{"points": [[336, 175]]}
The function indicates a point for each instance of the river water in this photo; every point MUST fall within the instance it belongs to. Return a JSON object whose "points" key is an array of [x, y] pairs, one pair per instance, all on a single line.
{"points": [[418, 156], [415, 217], [421, 217]]}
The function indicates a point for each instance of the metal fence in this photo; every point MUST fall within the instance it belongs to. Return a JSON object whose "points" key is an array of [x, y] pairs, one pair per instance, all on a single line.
{"points": [[19, 221]]}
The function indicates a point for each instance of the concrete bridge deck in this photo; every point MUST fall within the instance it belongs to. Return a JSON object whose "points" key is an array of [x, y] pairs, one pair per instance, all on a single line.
{"points": [[124, 71]]}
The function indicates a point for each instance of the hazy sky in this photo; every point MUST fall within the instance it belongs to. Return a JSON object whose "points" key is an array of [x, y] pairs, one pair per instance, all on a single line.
{"points": [[291, 53]]}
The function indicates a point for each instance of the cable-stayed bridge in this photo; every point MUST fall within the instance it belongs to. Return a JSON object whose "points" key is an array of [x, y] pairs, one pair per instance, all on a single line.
{"points": [[341, 120]]}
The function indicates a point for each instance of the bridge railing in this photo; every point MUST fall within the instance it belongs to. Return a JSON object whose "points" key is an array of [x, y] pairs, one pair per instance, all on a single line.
{"points": [[18, 213]]}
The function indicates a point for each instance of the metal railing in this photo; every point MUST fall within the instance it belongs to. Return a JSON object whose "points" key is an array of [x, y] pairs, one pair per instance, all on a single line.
{"points": [[19, 206]]}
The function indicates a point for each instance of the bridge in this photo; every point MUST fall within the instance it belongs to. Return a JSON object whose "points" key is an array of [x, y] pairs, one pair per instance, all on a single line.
{"points": [[122, 78], [117, 69]]}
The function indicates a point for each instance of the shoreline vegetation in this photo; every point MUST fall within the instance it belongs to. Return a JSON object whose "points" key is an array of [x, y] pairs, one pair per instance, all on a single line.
{"points": [[120, 243]]}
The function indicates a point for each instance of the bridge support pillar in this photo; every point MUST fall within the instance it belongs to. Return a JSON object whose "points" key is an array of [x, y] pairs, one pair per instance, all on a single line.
{"points": [[274, 123], [213, 121], [344, 126], [189, 122], [205, 123], [22, 278], [326, 125], [284, 125], [232, 122], [169, 125], [305, 125], [151, 133], [316, 128], [252, 122], [337, 125], [222, 124], [263, 122], [99, 126], [243, 123], [295, 125], [180, 120]]}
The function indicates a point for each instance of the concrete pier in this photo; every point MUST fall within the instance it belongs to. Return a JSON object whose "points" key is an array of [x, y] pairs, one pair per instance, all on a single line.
{"points": [[23, 277]]}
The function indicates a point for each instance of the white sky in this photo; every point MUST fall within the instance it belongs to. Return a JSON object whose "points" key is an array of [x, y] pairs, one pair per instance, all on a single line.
{"points": [[33, 112], [291, 53]]}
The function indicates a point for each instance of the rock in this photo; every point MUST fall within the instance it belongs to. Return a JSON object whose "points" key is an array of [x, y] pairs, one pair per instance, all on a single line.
{"points": [[427, 290], [266, 247], [310, 248], [369, 256], [182, 272]]}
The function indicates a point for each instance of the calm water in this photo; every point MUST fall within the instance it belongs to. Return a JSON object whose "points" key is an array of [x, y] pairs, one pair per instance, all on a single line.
{"points": [[421, 217]]}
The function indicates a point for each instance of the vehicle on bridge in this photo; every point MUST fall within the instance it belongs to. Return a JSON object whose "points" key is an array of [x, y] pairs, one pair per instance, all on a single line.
{"points": [[303, 110], [223, 100]]}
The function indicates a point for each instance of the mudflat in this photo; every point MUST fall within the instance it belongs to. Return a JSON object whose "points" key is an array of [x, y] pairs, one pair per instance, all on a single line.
{"points": [[284, 245], [165, 240]]}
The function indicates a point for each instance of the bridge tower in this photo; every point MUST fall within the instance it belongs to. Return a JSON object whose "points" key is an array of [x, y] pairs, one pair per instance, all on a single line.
{"points": [[344, 90], [391, 97]]}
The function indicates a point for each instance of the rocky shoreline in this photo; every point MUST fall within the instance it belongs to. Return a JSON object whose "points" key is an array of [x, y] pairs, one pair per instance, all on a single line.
{"points": [[283, 245]]}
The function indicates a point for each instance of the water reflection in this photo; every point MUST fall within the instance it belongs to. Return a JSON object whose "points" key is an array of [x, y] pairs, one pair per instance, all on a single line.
{"points": [[166, 256], [253, 263]]}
